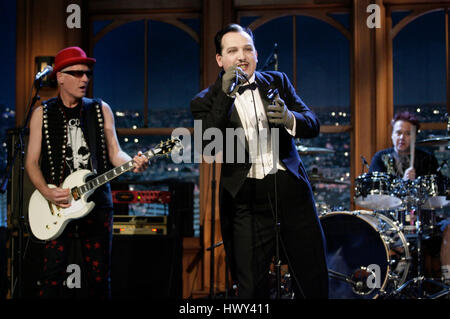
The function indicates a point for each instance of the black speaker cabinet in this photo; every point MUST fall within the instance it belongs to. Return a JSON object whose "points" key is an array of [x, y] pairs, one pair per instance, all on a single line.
{"points": [[146, 266], [150, 266], [32, 263], [181, 208]]}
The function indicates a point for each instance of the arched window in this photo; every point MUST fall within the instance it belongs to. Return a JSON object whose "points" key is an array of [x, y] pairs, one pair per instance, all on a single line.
{"points": [[420, 72], [314, 52], [148, 70]]}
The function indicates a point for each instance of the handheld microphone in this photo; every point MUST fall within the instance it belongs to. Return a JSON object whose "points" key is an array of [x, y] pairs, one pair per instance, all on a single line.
{"points": [[272, 93], [47, 70], [236, 80], [234, 84]]}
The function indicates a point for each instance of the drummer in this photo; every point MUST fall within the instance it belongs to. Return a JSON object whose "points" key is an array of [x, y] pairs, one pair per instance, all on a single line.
{"points": [[396, 162]]}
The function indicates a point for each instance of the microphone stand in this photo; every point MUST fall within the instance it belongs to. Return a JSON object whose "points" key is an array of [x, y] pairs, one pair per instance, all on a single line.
{"points": [[213, 230], [272, 59], [212, 247], [19, 149], [277, 243], [271, 96]]}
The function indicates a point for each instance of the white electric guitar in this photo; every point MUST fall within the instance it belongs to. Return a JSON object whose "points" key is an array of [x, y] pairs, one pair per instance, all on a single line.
{"points": [[47, 220]]}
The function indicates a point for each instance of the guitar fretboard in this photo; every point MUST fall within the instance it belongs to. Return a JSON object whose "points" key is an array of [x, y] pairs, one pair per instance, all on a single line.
{"points": [[113, 173]]}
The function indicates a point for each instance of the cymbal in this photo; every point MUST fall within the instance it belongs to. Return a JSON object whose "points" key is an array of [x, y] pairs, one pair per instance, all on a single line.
{"points": [[321, 179], [435, 141], [306, 150]]}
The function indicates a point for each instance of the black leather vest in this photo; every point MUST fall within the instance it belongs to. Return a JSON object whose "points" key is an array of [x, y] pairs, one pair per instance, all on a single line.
{"points": [[54, 142]]}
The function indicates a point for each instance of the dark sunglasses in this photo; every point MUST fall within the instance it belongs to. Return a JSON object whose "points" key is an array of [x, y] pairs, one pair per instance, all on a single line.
{"points": [[79, 73]]}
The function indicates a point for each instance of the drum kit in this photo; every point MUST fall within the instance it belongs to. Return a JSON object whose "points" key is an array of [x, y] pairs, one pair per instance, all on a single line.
{"points": [[379, 252]]}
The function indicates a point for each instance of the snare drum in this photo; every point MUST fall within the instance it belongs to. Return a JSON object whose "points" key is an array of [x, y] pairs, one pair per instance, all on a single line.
{"points": [[377, 191], [368, 251]]}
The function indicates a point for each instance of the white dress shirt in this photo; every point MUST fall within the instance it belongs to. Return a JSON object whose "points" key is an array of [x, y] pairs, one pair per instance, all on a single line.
{"points": [[263, 145]]}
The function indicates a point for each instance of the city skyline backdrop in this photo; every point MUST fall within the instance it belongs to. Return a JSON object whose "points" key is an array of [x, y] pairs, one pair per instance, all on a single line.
{"points": [[174, 70], [323, 76]]}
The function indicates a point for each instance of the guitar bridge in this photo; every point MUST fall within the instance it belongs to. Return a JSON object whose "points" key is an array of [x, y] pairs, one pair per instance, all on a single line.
{"points": [[75, 193]]}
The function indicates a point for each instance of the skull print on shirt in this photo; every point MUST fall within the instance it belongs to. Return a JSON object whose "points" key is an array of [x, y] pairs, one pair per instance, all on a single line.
{"points": [[77, 150]]}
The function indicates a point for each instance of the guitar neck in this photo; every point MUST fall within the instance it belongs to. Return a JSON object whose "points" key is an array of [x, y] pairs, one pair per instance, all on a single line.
{"points": [[111, 174]]}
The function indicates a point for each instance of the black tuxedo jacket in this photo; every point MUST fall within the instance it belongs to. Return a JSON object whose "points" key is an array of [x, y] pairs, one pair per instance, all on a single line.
{"points": [[216, 110]]}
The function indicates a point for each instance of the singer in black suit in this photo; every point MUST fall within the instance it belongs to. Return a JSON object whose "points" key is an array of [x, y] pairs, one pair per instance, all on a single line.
{"points": [[271, 181]]}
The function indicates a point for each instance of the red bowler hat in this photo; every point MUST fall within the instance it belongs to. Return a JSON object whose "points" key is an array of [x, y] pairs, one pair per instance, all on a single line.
{"points": [[70, 56]]}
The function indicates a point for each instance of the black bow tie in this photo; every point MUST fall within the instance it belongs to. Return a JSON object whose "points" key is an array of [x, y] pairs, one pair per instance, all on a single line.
{"points": [[251, 86]]}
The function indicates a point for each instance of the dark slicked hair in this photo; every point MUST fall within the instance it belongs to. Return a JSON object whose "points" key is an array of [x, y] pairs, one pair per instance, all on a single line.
{"points": [[406, 116], [233, 27]]}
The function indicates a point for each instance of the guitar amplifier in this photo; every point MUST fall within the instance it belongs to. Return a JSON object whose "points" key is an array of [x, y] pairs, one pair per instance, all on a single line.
{"points": [[139, 225], [145, 196]]}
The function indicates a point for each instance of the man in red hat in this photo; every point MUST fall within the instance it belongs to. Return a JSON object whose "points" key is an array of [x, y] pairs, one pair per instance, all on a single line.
{"points": [[68, 133]]}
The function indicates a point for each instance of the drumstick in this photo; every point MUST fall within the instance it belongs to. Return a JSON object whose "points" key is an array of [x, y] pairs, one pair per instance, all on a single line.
{"points": [[412, 145]]}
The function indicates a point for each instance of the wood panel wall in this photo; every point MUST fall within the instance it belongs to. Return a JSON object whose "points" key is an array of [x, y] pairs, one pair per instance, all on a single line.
{"points": [[42, 30]]}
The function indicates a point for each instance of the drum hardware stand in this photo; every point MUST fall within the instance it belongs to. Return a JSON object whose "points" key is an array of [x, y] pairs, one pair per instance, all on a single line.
{"points": [[357, 286], [420, 278], [340, 276]]}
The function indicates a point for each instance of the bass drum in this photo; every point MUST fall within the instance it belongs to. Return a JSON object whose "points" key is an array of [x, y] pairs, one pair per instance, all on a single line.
{"points": [[367, 254]]}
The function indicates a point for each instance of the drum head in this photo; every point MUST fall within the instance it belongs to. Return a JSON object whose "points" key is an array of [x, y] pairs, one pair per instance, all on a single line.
{"points": [[435, 187], [436, 202], [352, 243], [376, 191], [378, 202]]}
